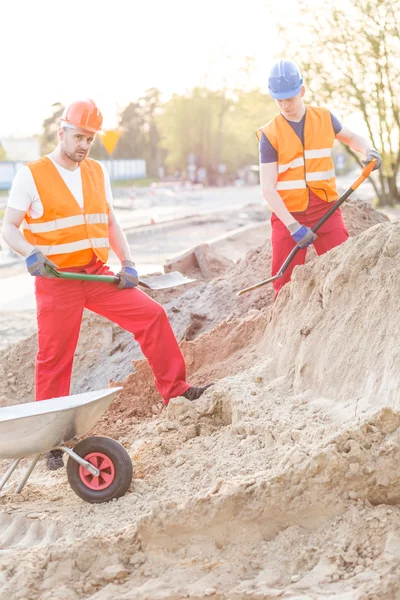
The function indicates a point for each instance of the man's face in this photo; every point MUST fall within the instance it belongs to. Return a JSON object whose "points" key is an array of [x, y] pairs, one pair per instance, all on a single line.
{"points": [[292, 107], [75, 143]]}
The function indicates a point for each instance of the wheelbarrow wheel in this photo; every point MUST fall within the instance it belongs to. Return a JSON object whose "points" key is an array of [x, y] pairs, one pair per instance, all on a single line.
{"points": [[115, 468]]}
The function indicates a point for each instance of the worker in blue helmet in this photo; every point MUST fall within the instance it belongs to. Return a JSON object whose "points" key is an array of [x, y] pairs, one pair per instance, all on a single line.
{"points": [[297, 171]]}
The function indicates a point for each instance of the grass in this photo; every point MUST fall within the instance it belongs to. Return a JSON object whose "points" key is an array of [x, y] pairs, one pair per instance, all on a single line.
{"points": [[145, 182]]}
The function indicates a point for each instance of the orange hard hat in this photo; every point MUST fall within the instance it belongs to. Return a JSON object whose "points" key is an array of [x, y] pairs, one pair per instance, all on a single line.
{"points": [[84, 114]]}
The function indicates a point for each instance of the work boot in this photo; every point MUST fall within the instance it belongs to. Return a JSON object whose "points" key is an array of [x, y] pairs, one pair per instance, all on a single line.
{"points": [[194, 393], [54, 459]]}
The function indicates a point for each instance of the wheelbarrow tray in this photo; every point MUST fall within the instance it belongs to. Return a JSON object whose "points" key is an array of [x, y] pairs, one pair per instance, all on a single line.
{"points": [[37, 427]]}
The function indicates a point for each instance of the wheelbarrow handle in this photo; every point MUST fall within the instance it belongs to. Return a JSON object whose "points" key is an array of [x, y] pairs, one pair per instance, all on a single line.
{"points": [[366, 172]]}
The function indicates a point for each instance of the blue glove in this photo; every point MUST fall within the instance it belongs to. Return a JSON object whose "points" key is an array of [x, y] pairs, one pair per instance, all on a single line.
{"points": [[302, 235], [128, 276], [36, 262]]}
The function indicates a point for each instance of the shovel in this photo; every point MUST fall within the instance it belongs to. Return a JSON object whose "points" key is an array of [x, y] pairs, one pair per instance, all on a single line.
{"points": [[364, 174], [157, 282]]}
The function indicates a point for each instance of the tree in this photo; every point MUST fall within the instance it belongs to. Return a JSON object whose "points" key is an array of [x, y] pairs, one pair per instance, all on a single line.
{"points": [[140, 137], [48, 139], [216, 126], [350, 51], [250, 111]]}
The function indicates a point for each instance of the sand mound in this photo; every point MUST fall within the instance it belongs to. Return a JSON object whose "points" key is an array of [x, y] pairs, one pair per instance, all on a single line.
{"points": [[344, 341], [213, 356]]}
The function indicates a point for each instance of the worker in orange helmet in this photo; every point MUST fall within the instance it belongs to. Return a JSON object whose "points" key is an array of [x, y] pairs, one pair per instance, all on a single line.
{"points": [[64, 203], [297, 172]]}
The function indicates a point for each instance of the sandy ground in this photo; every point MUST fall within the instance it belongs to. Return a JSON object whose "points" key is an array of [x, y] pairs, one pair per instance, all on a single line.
{"points": [[281, 482]]}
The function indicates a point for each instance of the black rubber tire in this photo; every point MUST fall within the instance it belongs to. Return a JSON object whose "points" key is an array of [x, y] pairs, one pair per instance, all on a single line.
{"points": [[122, 464]]}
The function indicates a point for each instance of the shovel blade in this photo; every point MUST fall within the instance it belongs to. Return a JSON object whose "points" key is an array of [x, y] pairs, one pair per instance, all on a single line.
{"points": [[163, 282]]}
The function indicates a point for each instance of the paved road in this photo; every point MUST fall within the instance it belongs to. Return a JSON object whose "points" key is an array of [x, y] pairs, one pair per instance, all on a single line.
{"points": [[168, 206]]}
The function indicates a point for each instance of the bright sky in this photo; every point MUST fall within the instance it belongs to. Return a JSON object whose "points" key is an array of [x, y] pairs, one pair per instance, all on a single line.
{"points": [[112, 50]]}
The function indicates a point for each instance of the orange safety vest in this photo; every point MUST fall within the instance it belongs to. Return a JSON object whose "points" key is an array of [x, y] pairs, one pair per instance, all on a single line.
{"points": [[303, 167], [65, 233]]}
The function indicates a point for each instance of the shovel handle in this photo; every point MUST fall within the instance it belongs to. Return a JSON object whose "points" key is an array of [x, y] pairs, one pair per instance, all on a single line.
{"points": [[366, 172], [83, 276]]}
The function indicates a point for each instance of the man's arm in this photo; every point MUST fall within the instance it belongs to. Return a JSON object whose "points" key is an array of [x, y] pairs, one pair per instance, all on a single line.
{"points": [[268, 180], [128, 276], [12, 235], [355, 141], [36, 261], [359, 144], [302, 235], [118, 241]]}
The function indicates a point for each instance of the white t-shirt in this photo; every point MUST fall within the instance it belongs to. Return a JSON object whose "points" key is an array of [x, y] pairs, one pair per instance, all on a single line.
{"points": [[24, 195]]}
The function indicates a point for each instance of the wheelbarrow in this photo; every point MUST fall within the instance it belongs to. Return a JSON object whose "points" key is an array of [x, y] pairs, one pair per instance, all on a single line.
{"points": [[99, 469]]}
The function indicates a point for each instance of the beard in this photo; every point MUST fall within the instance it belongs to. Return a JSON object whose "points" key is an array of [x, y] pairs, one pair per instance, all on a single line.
{"points": [[77, 156]]}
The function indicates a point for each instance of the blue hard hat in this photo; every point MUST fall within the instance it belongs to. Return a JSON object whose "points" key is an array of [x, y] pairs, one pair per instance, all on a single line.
{"points": [[285, 80]]}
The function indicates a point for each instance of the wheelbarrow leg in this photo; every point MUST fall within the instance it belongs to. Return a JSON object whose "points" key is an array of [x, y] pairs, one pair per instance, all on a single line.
{"points": [[27, 473], [9, 472], [88, 466]]}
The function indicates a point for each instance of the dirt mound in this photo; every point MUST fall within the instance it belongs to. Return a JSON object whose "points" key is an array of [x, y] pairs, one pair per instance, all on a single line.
{"points": [[213, 356], [17, 365], [343, 343], [360, 216]]}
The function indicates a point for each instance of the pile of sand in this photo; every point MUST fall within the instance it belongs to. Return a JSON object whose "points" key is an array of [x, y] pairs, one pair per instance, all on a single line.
{"points": [[281, 482]]}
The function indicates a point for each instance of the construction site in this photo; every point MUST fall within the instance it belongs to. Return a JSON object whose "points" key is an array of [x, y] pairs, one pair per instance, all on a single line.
{"points": [[199, 300], [281, 481]]}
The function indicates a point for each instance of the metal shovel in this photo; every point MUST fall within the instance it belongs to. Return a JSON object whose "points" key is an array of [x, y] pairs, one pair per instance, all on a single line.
{"points": [[157, 282], [364, 174]]}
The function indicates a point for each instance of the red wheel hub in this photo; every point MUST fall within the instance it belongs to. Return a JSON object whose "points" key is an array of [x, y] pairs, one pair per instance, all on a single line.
{"points": [[107, 471]]}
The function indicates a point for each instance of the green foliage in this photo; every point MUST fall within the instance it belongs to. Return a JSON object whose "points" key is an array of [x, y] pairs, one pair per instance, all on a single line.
{"points": [[124, 183], [351, 58], [216, 126], [250, 111], [3, 155], [140, 136]]}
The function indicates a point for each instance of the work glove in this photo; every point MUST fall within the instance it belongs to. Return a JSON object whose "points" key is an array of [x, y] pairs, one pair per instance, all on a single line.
{"points": [[370, 155], [128, 276], [302, 235], [36, 262]]}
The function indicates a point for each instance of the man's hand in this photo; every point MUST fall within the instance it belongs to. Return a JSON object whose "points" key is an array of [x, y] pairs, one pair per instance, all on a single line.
{"points": [[128, 276], [36, 262], [302, 235], [371, 154]]}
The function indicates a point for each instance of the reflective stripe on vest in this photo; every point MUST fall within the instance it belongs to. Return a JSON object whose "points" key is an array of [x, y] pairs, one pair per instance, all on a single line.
{"points": [[303, 167], [74, 246], [65, 232], [65, 223]]}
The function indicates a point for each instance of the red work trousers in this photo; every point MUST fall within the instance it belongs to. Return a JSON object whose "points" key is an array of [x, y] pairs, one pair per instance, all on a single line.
{"points": [[60, 305], [331, 234]]}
